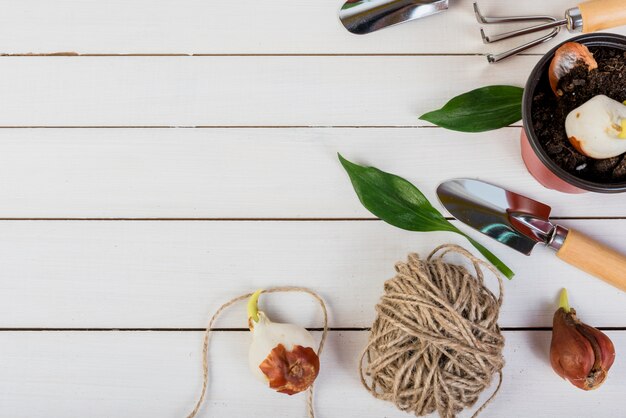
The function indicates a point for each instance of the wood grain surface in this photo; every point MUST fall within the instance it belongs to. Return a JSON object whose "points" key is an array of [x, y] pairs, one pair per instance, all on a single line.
{"points": [[157, 374], [159, 157]]}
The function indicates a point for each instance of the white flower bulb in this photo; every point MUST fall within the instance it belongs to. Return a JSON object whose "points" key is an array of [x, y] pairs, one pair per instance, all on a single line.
{"points": [[597, 128], [281, 354]]}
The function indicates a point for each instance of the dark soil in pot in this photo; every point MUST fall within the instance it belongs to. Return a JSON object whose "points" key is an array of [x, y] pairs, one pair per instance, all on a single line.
{"points": [[580, 85]]}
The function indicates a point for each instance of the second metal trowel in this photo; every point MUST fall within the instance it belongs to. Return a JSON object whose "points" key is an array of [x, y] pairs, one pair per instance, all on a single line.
{"points": [[365, 16], [521, 223]]}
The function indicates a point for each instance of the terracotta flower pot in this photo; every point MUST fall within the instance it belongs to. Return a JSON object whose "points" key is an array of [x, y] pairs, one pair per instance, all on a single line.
{"points": [[538, 162]]}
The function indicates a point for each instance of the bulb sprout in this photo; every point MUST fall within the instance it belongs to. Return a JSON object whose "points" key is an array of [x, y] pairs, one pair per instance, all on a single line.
{"points": [[563, 301], [253, 307]]}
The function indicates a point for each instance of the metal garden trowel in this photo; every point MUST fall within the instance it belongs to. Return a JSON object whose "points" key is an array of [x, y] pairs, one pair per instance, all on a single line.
{"points": [[521, 223], [365, 16]]}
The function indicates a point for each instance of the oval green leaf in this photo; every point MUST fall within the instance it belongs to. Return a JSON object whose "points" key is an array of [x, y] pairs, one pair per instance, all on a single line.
{"points": [[480, 110]]}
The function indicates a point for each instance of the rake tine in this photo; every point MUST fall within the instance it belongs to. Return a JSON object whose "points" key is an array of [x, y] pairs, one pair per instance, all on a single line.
{"points": [[492, 58], [549, 23]]}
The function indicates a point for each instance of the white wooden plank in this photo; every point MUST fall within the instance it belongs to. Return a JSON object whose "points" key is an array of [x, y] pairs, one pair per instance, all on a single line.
{"points": [[240, 90], [209, 27], [174, 274], [154, 374], [248, 173]]}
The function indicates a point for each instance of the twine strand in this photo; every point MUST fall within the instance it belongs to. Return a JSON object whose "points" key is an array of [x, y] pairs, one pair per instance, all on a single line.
{"points": [[435, 344], [209, 328]]}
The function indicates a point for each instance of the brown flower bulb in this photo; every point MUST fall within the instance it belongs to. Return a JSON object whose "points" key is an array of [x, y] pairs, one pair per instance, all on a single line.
{"points": [[579, 353], [568, 56]]}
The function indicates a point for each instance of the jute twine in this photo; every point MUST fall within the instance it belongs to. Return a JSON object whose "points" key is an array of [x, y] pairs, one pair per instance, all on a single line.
{"points": [[207, 339], [435, 344]]}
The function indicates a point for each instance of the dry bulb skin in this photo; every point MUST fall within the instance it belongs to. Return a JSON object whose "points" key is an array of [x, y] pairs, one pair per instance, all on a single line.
{"points": [[579, 353], [281, 354], [566, 58]]}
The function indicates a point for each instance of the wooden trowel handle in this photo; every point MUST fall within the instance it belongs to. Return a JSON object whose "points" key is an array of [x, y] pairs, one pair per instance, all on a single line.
{"points": [[594, 258], [602, 14]]}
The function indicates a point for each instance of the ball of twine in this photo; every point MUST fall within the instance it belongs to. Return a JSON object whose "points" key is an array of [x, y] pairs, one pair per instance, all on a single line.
{"points": [[435, 344]]}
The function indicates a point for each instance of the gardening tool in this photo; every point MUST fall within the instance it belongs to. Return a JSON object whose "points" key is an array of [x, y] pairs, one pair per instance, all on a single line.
{"points": [[590, 16], [521, 223], [365, 16]]}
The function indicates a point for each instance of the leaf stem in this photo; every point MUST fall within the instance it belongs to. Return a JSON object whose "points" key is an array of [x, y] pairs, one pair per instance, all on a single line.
{"points": [[504, 269]]}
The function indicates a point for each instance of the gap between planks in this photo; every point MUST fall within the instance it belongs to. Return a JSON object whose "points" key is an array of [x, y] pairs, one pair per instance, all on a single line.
{"points": [[449, 218], [320, 54], [334, 329], [235, 127]]}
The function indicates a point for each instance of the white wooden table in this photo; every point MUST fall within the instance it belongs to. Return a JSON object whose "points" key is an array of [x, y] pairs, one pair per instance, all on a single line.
{"points": [[181, 152]]}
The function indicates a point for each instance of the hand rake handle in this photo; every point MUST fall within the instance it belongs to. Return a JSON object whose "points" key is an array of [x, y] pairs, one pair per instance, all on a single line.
{"points": [[594, 258], [602, 14]]}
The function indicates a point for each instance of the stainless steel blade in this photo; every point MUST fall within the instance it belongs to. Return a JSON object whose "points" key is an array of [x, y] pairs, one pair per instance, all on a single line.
{"points": [[365, 16], [510, 218]]}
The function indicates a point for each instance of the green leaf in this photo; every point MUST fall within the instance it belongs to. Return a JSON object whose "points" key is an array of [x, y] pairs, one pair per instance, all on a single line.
{"points": [[480, 110], [401, 204], [347, 6], [394, 200]]}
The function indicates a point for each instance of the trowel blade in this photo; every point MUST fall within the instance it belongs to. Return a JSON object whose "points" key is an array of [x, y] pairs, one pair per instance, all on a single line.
{"points": [[365, 16], [494, 211]]}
